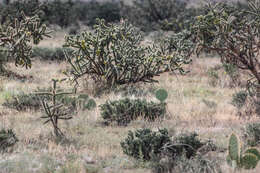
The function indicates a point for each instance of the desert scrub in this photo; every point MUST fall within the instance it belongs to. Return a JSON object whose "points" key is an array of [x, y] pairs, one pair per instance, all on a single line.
{"points": [[198, 164], [149, 145], [144, 143], [7, 139], [252, 134], [53, 54], [113, 55], [23, 101], [239, 99], [123, 111]]}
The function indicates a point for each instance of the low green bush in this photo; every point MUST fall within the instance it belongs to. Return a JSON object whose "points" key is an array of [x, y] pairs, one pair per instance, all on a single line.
{"points": [[148, 145], [7, 139], [252, 134], [32, 101], [144, 143], [53, 54], [239, 99], [23, 101], [125, 110], [186, 143], [198, 164]]}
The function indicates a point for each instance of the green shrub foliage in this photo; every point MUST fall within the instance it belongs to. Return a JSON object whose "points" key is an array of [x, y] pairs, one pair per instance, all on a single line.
{"points": [[7, 139], [239, 99], [160, 14], [53, 54], [23, 101], [62, 12], [114, 55], [144, 143], [123, 111], [149, 145], [32, 101], [186, 143], [198, 164], [252, 134]]}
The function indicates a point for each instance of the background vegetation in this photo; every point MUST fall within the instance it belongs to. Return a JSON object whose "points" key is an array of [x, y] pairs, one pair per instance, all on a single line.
{"points": [[129, 86]]}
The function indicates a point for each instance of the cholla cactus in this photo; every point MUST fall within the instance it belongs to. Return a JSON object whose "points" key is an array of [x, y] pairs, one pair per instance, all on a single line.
{"points": [[15, 38], [114, 54], [55, 111], [233, 33]]}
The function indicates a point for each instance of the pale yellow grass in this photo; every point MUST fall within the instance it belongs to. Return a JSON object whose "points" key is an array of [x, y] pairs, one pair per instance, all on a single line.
{"points": [[87, 137]]}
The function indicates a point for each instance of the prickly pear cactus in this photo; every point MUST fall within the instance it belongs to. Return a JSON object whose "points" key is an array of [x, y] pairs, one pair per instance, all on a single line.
{"points": [[234, 148], [161, 94], [237, 159]]}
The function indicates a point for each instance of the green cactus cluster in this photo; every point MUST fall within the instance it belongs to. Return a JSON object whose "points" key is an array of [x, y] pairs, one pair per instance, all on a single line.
{"points": [[147, 144], [125, 110], [7, 139], [144, 143], [16, 37], [237, 158], [115, 55]]}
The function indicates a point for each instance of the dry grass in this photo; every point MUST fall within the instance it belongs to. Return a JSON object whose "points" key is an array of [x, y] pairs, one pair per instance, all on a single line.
{"points": [[91, 147]]}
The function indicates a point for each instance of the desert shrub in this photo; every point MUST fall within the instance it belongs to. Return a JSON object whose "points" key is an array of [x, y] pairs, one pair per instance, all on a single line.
{"points": [[239, 99], [63, 13], [148, 145], [233, 72], [160, 14], [198, 164], [144, 143], [3, 58], [12, 10], [185, 153], [224, 75], [186, 143], [114, 55], [213, 76], [123, 111], [252, 134], [7, 139], [233, 33], [109, 11], [53, 54], [23, 101], [31, 101]]}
